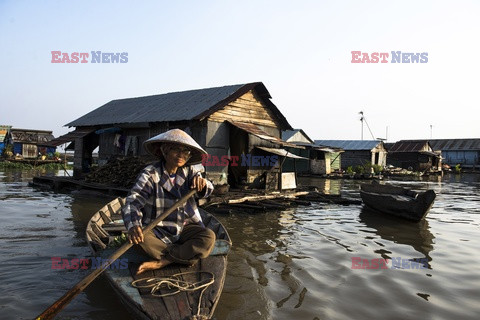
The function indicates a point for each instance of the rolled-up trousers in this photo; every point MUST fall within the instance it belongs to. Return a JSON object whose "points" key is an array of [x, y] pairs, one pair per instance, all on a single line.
{"points": [[195, 242]]}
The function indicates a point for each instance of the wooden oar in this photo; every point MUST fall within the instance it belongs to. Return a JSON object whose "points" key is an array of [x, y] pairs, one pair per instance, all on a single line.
{"points": [[58, 305]]}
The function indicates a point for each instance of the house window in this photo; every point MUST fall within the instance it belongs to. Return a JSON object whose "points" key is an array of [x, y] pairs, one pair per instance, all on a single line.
{"points": [[29, 150]]}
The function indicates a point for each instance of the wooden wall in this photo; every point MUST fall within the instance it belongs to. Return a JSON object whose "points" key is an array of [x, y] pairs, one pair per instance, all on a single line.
{"points": [[248, 108], [217, 144]]}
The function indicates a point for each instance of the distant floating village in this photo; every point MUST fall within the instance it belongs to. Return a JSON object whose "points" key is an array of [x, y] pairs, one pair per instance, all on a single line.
{"points": [[251, 144]]}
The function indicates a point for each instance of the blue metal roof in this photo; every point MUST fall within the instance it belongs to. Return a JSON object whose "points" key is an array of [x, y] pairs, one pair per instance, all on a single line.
{"points": [[287, 134], [349, 144]]}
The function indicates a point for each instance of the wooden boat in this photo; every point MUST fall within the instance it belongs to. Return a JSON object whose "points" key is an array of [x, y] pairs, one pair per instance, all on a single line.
{"points": [[397, 201], [105, 227]]}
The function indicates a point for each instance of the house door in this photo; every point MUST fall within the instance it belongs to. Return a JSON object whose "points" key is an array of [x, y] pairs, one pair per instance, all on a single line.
{"points": [[238, 146]]}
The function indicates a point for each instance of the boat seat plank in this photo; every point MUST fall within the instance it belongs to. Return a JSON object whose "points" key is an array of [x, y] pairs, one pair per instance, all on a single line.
{"points": [[116, 217], [105, 217], [111, 209], [96, 240], [99, 231], [114, 227]]}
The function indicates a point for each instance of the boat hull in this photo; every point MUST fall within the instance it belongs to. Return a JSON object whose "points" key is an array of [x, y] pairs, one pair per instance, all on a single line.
{"points": [[397, 201], [140, 302]]}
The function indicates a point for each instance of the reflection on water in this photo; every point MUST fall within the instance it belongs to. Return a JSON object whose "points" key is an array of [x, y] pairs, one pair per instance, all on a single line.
{"points": [[15, 175], [327, 186], [293, 264], [416, 235]]}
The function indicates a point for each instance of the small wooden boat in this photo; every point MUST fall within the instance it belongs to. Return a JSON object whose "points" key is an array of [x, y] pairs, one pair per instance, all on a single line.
{"points": [[105, 228], [397, 201]]}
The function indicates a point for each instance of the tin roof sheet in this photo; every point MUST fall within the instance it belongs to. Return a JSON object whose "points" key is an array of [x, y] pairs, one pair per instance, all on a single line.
{"points": [[281, 152], [349, 144], [409, 146], [175, 106], [455, 144], [68, 137], [256, 131]]}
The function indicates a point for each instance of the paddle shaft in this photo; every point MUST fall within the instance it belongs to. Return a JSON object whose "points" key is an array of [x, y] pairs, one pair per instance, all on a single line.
{"points": [[58, 305]]}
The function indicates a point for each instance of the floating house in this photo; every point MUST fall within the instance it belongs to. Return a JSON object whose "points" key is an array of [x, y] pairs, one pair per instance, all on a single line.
{"points": [[358, 152], [416, 155], [239, 122], [27, 143], [317, 159], [4, 136], [465, 152]]}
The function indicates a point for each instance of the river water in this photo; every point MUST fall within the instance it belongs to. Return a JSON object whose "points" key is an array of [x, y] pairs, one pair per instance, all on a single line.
{"points": [[292, 264]]}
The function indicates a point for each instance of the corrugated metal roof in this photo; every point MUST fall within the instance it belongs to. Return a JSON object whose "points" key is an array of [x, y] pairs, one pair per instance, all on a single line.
{"points": [[68, 137], [319, 148], [174, 106], [388, 145], [281, 152], [253, 129], [408, 146], [349, 144], [455, 144], [289, 133]]}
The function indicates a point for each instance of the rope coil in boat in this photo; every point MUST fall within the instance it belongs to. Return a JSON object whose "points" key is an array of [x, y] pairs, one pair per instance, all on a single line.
{"points": [[175, 281]]}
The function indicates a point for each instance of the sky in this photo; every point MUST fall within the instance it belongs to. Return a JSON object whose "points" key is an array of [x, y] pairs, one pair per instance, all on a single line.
{"points": [[300, 50]]}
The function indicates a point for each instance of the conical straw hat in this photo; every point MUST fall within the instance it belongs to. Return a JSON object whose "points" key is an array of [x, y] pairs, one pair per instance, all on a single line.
{"points": [[179, 137]]}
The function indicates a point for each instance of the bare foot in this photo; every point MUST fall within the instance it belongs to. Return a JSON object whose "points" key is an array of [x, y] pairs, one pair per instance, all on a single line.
{"points": [[153, 265]]}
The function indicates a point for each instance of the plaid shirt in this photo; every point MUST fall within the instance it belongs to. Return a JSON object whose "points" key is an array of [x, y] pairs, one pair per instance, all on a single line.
{"points": [[154, 192]]}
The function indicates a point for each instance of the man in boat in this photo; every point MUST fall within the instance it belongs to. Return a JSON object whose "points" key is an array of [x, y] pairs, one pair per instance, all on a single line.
{"points": [[181, 237]]}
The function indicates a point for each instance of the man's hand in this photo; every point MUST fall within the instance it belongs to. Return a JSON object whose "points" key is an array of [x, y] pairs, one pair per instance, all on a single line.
{"points": [[135, 235], [199, 183]]}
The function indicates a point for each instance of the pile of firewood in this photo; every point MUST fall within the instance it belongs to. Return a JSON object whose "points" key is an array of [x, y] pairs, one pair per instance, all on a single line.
{"points": [[119, 172]]}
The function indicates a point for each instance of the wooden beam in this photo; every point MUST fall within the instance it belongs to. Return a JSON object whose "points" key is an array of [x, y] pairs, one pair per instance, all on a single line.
{"points": [[268, 196]]}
